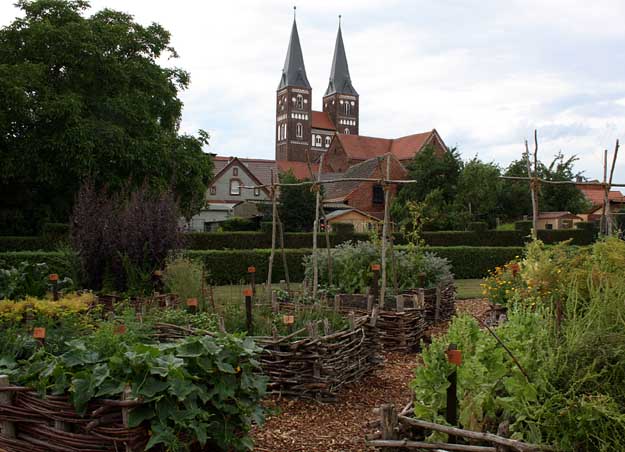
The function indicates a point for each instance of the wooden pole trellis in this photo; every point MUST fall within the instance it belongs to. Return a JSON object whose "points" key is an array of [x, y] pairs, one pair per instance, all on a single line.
{"points": [[317, 189], [606, 224], [387, 194], [274, 212]]}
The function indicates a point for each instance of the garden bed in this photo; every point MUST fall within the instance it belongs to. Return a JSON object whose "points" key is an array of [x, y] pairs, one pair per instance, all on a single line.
{"points": [[404, 319], [34, 424]]}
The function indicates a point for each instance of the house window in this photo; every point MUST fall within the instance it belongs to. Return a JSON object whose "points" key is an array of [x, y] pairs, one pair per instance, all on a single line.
{"points": [[378, 195], [257, 192], [318, 141], [548, 226], [346, 131], [299, 130], [213, 190], [235, 187], [207, 226], [235, 171], [328, 139], [299, 102]]}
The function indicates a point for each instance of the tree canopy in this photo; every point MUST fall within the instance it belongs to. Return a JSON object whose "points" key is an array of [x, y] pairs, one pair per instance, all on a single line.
{"points": [[297, 205], [84, 97]]}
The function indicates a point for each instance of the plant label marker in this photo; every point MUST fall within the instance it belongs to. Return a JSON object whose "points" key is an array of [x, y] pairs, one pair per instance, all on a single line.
{"points": [[251, 270], [39, 333], [192, 304], [288, 319], [54, 280], [120, 329]]}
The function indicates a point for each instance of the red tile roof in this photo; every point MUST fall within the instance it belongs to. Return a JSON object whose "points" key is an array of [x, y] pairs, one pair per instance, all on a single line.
{"points": [[360, 147], [595, 194], [321, 120], [554, 215], [299, 169]]}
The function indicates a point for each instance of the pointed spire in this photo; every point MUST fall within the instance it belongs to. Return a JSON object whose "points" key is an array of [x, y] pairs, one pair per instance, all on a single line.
{"points": [[340, 82], [294, 71]]}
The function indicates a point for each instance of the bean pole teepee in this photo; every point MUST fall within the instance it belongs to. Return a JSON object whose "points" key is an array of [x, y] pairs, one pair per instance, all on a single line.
{"points": [[606, 225], [316, 183]]}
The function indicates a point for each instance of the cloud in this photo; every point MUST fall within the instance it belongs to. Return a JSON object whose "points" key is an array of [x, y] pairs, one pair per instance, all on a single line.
{"points": [[484, 74]]}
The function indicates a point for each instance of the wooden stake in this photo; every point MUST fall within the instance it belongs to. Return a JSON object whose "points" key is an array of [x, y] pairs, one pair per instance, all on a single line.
{"points": [[385, 229], [282, 250], [274, 210], [6, 398], [533, 184], [315, 228]]}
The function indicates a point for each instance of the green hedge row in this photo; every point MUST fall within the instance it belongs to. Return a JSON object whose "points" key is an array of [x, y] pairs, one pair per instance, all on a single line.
{"points": [[230, 266], [25, 243], [253, 240]]}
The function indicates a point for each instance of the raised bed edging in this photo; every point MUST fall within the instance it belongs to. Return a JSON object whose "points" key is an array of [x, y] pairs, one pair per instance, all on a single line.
{"points": [[402, 323]]}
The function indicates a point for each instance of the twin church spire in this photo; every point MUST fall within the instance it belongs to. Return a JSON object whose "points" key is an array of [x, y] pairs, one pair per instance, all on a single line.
{"points": [[303, 134], [294, 70]]}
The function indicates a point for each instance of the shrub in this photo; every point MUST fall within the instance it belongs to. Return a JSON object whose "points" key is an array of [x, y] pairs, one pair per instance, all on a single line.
{"points": [[351, 267], [478, 226], [524, 227], [24, 280], [128, 239], [239, 224], [55, 231], [343, 228], [185, 277], [25, 243]]}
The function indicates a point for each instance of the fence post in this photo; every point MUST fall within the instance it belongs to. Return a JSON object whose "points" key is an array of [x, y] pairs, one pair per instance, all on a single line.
{"points": [[389, 424], [126, 395], [249, 321], [6, 398], [375, 287]]}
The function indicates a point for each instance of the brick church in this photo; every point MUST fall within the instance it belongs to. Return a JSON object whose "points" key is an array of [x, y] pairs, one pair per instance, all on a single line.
{"points": [[300, 130], [302, 134]]}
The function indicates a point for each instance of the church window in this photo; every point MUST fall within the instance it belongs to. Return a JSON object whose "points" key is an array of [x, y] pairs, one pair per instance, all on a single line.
{"points": [[346, 131], [347, 108], [300, 130], [299, 104], [284, 131], [318, 141], [328, 139], [235, 187], [312, 139], [278, 131]]}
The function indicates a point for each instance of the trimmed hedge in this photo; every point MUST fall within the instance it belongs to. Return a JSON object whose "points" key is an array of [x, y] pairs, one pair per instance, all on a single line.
{"points": [[25, 243], [230, 266], [253, 240]]}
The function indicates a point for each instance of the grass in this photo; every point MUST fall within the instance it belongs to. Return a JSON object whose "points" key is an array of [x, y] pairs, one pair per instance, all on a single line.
{"points": [[506, 227], [467, 288]]}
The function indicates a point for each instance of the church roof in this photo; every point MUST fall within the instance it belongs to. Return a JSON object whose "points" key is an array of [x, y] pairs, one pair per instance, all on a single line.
{"points": [[321, 120], [294, 71], [360, 147], [340, 81]]}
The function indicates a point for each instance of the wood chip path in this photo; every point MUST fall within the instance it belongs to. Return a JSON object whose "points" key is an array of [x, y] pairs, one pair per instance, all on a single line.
{"points": [[310, 426]]}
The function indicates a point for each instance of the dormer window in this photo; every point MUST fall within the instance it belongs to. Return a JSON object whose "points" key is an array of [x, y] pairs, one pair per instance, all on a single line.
{"points": [[299, 102]]}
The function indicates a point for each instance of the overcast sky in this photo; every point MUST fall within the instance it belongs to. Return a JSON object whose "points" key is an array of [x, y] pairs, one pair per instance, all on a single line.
{"points": [[483, 73]]}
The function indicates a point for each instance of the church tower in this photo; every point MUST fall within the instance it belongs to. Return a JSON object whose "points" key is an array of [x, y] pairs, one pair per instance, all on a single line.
{"points": [[340, 101], [293, 105]]}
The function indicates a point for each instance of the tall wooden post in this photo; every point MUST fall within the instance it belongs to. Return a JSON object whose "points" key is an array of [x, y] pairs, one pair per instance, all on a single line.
{"points": [[533, 178], [274, 211], [249, 320], [285, 264], [315, 229], [451, 415], [385, 227]]}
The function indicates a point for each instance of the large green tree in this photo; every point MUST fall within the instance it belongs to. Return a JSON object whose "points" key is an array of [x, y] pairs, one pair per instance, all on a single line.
{"points": [[479, 190], [297, 205], [84, 97]]}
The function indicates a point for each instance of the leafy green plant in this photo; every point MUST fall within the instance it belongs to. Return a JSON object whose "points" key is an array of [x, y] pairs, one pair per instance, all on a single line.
{"points": [[184, 277], [23, 280]]}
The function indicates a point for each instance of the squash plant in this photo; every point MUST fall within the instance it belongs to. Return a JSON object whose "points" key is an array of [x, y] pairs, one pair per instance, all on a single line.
{"points": [[199, 389]]}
